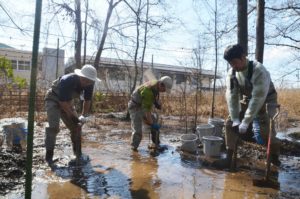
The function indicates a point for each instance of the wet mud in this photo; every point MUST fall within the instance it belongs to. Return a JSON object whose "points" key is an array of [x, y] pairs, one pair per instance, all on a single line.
{"points": [[113, 170]]}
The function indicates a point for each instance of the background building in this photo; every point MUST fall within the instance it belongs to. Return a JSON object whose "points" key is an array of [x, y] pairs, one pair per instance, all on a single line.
{"points": [[117, 75], [50, 64]]}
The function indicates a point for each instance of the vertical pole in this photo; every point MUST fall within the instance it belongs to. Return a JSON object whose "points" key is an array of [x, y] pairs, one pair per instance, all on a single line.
{"points": [[57, 58], [216, 65], [152, 62], [35, 50]]}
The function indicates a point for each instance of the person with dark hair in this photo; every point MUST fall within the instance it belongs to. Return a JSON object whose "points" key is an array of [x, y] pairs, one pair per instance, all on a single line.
{"points": [[59, 105], [248, 89], [139, 106]]}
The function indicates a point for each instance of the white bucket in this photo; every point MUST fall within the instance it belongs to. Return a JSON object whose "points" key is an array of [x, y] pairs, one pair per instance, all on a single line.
{"points": [[205, 129], [189, 142], [218, 123], [212, 145]]}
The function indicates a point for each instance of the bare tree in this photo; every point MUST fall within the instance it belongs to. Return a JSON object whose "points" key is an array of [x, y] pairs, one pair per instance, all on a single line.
{"points": [[75, 15], [143, 25], [85, 30], [260, 30], [78, 28], [145, 40], [11, 18], [242, 26], [137, 13], [111, 6], [287, 33]]}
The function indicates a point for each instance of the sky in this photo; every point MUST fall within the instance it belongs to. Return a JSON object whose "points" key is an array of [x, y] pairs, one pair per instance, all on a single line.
{"points": [[174, 47]]}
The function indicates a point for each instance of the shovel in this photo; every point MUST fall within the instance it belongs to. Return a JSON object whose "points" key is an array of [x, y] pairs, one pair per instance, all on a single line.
{"points": [[267, 181]]}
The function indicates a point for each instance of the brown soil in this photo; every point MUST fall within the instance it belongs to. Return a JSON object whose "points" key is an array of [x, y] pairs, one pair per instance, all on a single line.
{"points": [[105, 130]]}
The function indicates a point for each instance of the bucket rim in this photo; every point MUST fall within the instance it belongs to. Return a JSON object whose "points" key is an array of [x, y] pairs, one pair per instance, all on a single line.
{"points": [[205, 125], [193, 138], [212, 138]]}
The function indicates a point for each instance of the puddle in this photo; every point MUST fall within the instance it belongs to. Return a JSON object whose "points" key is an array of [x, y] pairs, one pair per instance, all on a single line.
{"points": [[292, 135], [114, 171]]}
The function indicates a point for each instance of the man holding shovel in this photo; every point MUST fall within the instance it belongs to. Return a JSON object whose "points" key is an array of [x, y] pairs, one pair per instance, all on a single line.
{"points": [[139, 106], [249, 89], [59, 105]]}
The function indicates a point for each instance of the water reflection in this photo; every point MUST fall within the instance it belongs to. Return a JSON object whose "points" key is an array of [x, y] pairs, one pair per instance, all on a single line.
{"points": [[145, 181], [96, 180]]}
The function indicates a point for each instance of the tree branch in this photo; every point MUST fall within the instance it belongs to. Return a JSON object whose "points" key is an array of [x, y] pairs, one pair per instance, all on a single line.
{"points": [[286, 45], [11, 19]]}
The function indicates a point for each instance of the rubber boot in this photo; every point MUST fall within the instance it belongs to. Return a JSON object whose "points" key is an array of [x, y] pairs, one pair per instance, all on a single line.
{"points": [[275, 160], [76, 144], [77, 147], [49, 157], [224, 163], [155, 136]]}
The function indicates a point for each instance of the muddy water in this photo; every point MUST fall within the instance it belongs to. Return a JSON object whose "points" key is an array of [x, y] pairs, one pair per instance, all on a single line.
{"points": [[114, 171]]}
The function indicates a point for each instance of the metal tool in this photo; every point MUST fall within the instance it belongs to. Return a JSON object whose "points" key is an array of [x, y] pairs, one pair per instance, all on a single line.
{"points": [[267, 181]]}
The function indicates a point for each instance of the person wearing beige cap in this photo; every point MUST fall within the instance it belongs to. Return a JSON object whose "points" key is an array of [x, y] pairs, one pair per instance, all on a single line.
{"points": [[140, 105], [59, 105]]}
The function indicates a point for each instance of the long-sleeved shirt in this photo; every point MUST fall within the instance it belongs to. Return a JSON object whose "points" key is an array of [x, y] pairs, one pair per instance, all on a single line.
{"points": [[262, 88]]}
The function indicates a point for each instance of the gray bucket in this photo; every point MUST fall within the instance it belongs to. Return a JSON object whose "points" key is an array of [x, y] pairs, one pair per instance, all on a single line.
{"points": [[189, 143], [219, 125], [205, 129], [212, 145]]}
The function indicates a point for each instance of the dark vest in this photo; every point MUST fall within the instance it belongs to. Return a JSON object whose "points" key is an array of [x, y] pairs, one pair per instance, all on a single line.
{"points": [[246, 91]]}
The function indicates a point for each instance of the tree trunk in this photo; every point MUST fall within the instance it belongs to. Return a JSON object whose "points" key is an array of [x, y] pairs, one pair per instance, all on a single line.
{"points": [[145, 42], [242, 28], [79, 34], [104, 34], [260, 30], [85, 30]]}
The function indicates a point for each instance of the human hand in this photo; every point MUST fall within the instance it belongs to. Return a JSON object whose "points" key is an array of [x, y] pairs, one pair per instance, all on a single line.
{"points": [[243, 128], [236, 122], [155, 126], [83, 119]]}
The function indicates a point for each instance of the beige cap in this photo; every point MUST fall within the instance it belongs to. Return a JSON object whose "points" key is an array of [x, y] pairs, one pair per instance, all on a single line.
{"points": [[168, 82]]}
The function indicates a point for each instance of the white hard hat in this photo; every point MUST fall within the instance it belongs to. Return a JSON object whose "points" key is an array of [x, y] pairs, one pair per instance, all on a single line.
{"points": [[87, 71], [168, 82]]}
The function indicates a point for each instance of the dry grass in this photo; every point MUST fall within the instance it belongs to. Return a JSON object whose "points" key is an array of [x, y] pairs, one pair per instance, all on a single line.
{"points": [[290, 102], [181, 105]]}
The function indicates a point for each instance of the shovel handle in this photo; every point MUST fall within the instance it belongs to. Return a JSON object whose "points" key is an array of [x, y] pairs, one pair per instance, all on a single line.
{"points": [[270, 107]]}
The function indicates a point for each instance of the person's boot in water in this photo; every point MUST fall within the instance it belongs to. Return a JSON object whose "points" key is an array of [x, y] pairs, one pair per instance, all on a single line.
{"points": [[49, 157]]}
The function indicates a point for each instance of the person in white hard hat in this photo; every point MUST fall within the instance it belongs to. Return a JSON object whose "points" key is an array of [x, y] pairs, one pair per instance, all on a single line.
{"points": [[59, 105], [140, 105]]}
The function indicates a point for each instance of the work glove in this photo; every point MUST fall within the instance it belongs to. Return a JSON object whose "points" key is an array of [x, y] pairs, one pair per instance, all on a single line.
{"points": [[235, 122], [243, 128], [83, 119], [155, 126]]}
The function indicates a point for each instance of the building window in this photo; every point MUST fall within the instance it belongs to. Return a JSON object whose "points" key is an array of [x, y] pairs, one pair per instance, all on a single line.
{"points": [[14, 64], [24, 65]]}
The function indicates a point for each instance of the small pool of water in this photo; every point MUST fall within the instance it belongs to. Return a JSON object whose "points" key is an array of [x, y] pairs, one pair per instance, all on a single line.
{"points": [[115, 171]]}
